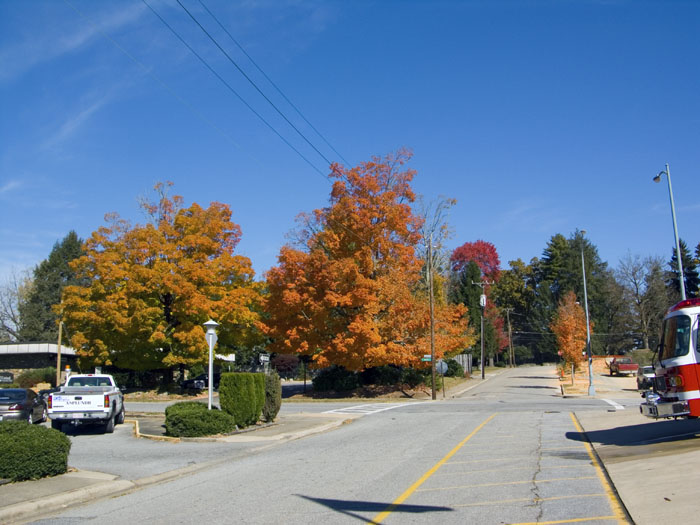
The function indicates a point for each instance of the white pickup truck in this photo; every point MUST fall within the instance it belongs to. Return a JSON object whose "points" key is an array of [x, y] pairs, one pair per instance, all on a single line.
{"points": [[87, 399]]}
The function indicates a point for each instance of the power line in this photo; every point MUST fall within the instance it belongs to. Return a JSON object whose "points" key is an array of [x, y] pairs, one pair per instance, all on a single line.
{"points": [[163, 84], [194, 19], [272, 83], [223, 81]]}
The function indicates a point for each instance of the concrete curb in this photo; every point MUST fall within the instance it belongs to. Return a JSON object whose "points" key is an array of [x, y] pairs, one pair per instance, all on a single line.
{"points": [[62, 500]]}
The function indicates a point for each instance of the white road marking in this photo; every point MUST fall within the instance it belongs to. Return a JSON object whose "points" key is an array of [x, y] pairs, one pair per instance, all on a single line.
{"points": [[371, 408], [616, 405]]}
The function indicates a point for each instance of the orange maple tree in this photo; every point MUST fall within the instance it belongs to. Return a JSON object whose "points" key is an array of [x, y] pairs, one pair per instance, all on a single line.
{"points": [[569, 327], [350, 295], [148, 288]]}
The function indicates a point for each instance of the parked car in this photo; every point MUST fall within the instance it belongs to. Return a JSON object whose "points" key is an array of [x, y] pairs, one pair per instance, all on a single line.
{"points": [[622, 365], [645, 377], [200, 382], [22, 404]]}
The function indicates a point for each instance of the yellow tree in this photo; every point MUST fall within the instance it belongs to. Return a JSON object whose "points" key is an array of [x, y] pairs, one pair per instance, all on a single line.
{"points": [[349, 296], [148, 288], [569, 327]]}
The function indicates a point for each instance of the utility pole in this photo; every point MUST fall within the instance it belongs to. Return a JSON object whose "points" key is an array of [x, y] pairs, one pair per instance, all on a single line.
{"points": [[58, 354], [510, 339], [432, 316], [482, 303]]}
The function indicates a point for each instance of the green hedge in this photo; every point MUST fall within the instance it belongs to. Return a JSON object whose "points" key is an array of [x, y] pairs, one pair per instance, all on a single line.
{"points": [[193, 419], [273, 396], [259, 384], [242, 395], [31, 451]]}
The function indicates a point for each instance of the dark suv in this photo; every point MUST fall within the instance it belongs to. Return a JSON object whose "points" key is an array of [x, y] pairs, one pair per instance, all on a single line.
{"points": [[201, 382]]}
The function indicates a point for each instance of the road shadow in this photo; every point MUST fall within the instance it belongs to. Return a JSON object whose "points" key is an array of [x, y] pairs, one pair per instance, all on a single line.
{"points": [[537, 386], [642, 434], [350, 508]]}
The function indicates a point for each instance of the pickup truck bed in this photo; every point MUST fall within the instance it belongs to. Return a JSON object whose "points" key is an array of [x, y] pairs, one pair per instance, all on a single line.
{"points": [[624, 365]]}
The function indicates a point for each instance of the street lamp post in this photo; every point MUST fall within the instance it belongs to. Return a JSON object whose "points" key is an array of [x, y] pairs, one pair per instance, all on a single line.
{"points": [[591, 388], [482, 303], [675, 230], [211, 325]]}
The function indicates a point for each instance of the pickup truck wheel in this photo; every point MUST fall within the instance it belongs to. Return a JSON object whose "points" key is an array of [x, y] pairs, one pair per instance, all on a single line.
{"points": [[109, 426], [120, 416]]}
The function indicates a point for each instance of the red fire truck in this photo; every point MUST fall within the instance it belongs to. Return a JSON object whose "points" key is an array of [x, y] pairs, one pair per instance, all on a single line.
{"points": [[676, 387]]}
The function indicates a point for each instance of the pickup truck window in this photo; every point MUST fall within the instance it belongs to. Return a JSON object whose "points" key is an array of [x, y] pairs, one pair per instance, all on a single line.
{"points": [[676, 338], [88, 381]]}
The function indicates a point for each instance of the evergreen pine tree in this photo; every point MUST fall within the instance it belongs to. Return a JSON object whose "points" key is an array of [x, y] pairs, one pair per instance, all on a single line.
{"points": [[690, 273], [38, 321]]}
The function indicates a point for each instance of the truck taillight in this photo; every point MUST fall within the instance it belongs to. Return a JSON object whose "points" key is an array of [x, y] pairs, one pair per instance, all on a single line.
{"points": [[106, 401], [50, 402]]}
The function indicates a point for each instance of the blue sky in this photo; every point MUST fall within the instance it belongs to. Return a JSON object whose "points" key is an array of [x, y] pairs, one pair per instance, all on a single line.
{"points": [[539, 117]]}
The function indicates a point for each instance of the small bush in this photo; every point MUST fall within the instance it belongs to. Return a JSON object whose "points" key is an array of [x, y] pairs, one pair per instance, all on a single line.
{"points": [[31, 451], [335, 378], [30, 378], [238, 397], [381, 375], [412, 377], [273, 396], [194, 422], [454, 369]]}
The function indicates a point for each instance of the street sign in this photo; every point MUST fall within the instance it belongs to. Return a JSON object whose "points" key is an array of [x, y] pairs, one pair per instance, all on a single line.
{"points": [[264, 358], [427, 357], [441, 367]]}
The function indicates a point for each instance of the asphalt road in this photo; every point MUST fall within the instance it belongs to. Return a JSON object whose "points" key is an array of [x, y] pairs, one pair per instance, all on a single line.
{"points": [[508, 451]]}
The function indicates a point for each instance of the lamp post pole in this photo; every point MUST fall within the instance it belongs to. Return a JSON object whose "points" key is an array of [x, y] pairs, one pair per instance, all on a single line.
{"points": [[591, 388], [675, 230], [211, 325]]}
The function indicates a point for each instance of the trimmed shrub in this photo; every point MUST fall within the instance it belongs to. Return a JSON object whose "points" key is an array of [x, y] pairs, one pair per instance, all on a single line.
{"points": [[259, 385], [192, 422], [237, 397], [30, 378], [31, 451], [454, 369], [185, 406], [335, 378], [273, 396]]}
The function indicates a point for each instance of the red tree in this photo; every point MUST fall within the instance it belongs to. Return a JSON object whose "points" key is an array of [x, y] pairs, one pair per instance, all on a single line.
{"points": [[483, 253]]}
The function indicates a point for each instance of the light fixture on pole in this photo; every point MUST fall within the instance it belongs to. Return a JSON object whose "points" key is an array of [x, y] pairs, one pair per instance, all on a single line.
{"points": [[211, 325], [591, 388], [675, 229]]}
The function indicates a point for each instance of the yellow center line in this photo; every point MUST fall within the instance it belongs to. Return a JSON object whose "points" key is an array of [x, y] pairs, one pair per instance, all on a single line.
{"points": [[612, 496], [410, 490], [503, 483]]}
